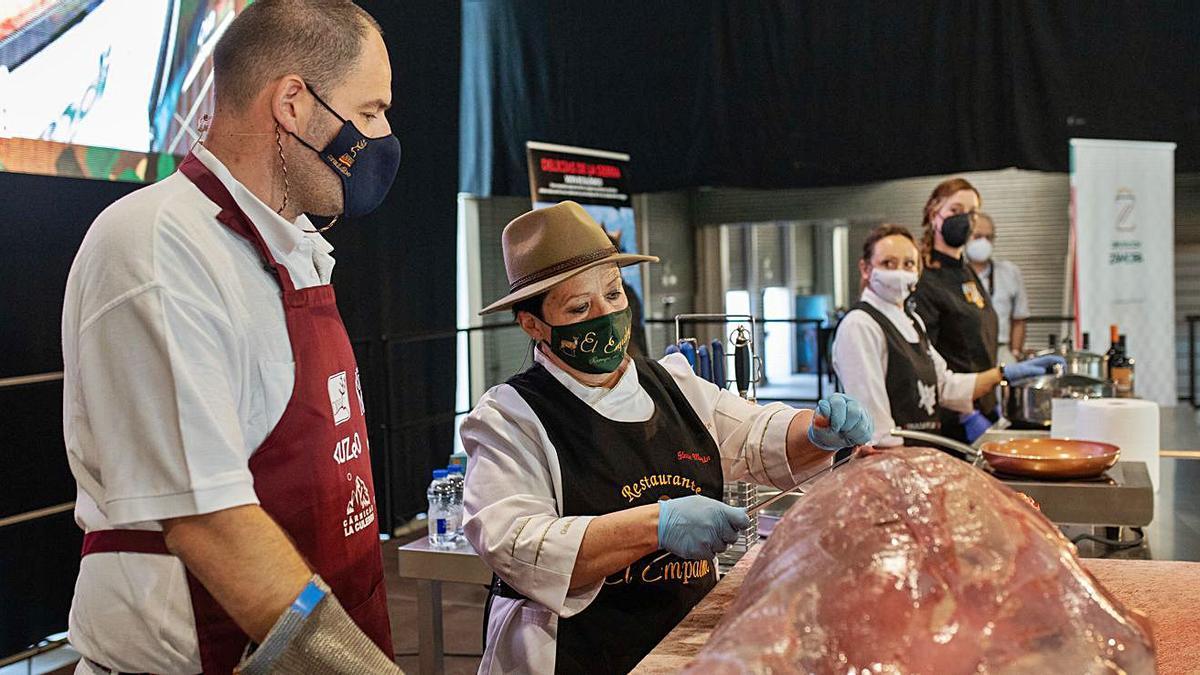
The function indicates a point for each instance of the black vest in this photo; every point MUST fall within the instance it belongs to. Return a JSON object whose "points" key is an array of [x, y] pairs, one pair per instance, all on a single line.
{"points": [[962, 326], [911, 378], [608, 466]]}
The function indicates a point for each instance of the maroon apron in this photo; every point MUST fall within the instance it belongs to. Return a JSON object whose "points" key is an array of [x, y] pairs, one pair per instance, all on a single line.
{"points": [[312, 473]]}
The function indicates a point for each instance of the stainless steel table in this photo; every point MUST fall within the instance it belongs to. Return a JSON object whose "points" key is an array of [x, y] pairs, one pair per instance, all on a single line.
{"points": [[431, 567]]}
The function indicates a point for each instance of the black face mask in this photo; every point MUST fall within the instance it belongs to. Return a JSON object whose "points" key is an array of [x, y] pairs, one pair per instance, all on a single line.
{"points": [[366, 166], [956, 229]]}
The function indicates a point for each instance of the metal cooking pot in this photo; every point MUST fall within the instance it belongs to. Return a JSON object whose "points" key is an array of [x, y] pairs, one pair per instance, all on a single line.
{"points": [[1086, 364], [1079, 362], [1028, 401]]}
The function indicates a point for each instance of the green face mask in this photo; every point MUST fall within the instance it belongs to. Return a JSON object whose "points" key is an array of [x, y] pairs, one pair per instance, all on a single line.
{"points": [[595, 346]]}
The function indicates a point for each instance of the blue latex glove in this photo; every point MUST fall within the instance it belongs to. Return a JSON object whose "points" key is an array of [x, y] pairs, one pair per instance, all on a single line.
{"points": [[696, 527], [841, 422], [1039, 365], [974, 424]]}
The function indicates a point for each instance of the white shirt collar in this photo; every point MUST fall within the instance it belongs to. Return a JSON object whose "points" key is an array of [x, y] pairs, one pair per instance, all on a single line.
{"points": [[890, 310], [281, 236], [896, 314], [872, 298], [626, 386]]}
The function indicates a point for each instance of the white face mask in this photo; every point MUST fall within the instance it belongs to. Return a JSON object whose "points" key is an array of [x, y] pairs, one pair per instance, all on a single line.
{"points": [[894, 286], [979, 250]]}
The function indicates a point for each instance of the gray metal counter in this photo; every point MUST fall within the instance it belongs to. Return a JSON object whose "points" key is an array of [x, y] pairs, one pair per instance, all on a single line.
{"points": [[431, 568]]}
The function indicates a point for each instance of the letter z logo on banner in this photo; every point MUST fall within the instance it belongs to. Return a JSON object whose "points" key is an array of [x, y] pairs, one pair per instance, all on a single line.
{"points": [[339, 397]]}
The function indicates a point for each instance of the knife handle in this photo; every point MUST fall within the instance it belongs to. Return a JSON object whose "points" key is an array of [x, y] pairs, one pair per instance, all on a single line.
{"points": [[717, 352], [741, 366], [689, 352], [705, 363]]}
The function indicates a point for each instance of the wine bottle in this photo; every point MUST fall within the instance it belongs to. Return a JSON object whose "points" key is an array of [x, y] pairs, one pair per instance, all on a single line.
{"points": [[1122, 370], [1111, 355]]}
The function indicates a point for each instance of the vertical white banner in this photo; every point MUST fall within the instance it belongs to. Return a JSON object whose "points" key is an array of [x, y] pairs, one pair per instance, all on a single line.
{"points": [[1123, 235]]}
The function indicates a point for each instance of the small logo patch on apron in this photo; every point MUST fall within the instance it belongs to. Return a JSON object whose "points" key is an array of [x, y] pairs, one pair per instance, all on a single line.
{"points": [[972, 294]]}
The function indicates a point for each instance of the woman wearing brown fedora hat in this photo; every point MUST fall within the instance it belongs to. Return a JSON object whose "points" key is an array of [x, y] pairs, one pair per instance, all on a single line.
{"points": [[595, 478]]}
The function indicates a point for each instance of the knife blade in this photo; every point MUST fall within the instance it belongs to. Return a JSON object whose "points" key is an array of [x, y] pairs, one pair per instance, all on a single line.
{"points": [[763, 503]]}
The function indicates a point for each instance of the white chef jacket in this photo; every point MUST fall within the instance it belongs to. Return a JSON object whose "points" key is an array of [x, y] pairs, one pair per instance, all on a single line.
{"points": [[177, 365], [514, 495], [860, 358], [1006, 285]]}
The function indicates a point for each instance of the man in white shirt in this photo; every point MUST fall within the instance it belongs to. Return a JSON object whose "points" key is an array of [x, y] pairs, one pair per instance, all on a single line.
{"points": [[1004, 282], [208, 378]]}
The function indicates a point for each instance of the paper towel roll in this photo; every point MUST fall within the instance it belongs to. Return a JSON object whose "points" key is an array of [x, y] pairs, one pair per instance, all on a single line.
{"points": [[1062, 417], [1130, 424]]}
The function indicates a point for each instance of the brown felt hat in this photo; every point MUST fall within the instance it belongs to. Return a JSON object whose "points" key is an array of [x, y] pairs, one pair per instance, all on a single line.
{"points": [[550, 245]]}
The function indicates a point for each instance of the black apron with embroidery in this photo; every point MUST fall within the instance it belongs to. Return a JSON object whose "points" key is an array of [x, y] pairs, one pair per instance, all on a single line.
{"points": [[911, 378], [609, 466]]}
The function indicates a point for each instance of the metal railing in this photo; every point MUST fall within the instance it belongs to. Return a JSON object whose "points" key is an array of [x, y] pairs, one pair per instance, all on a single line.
{"points": [[40, 648], [821, 367], [380, 356], [45, 512], [46, 645]]}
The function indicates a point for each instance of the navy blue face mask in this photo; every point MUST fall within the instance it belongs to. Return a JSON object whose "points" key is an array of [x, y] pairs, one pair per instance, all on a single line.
{"points": [[366, 166]]}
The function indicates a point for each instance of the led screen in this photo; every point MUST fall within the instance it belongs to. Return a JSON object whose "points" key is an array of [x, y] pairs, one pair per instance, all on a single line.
{"points": [[109, 89]]}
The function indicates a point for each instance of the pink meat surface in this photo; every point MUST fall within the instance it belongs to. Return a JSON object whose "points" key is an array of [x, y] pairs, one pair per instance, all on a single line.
{"points": [[909, 561]]}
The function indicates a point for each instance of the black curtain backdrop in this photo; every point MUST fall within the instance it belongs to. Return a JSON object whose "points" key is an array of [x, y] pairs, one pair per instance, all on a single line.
{"points": [[45, 221], [778, 93], [395, 276], [396, 268]]}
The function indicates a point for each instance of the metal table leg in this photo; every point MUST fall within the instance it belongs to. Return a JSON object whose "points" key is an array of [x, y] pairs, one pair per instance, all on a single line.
{"points": [[429, 627]]}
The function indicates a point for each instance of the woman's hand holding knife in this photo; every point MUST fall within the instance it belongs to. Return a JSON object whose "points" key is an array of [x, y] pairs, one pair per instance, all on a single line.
{"points": [[698, 527], [840, 422]]}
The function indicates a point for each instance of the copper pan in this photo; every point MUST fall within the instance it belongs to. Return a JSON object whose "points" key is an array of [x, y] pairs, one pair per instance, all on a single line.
{"points": [[1053, 458]]}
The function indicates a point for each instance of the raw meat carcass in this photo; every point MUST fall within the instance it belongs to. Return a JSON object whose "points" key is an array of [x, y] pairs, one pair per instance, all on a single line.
{"points": [[909, 561]]}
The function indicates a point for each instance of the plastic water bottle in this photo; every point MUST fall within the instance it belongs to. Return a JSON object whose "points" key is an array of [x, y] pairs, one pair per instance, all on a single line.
{"points": [[443, 514], [455, 477]]}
